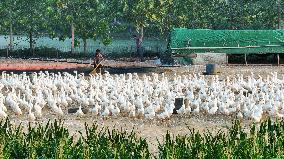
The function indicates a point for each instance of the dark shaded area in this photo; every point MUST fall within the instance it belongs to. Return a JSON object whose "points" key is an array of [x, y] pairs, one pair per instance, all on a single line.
{"points": [[130, 70], [44, 52], [178, 104], [41, 53], [255, 58]]}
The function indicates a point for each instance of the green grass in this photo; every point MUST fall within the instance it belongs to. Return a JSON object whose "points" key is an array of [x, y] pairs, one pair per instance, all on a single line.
{"points": [[53, 140]]}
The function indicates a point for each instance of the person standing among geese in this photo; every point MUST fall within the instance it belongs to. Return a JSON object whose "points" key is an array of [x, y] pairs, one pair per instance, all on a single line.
{"points": [[99, 57]]}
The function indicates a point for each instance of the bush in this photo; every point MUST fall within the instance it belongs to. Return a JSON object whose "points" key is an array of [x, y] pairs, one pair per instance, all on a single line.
{"points": [[44, 52]]}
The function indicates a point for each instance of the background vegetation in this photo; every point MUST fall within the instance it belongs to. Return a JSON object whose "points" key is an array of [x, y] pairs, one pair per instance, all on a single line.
{"points": [[103, 20]]}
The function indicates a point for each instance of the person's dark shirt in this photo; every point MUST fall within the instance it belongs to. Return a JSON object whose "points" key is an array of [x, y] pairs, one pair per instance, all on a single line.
{"points": [[98, 57]]}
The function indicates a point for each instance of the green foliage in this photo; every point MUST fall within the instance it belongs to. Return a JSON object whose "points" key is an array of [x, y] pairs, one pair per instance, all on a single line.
{"points": [[52, 140], [100, 19], [8, 14], [114, 144], [90, 18], [264, 140]]}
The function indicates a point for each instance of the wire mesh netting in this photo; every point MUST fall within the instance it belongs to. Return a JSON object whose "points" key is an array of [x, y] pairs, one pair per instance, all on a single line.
{"points": [[226, 41], [194, 41]]}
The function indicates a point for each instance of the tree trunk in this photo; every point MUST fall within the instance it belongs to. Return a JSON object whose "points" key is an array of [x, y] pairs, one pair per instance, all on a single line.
{"points": [[85, 46], [11, 38], [31, 43], [140, 50], [141, 34], [73, 38]]}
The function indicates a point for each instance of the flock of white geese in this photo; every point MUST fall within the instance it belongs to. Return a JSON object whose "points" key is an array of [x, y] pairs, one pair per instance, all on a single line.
{"points": [[146, 96]]}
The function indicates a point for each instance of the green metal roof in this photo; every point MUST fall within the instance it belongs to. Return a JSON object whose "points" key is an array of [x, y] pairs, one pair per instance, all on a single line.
{"points": [[186, 41]]}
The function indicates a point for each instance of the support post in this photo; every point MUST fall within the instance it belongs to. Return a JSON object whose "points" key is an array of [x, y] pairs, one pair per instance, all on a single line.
{"points": [[246, 59], [278, 60], [227, 59]]}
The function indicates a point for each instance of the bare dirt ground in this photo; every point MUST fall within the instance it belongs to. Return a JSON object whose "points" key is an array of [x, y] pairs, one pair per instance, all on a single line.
{"points": [[155, 130]]}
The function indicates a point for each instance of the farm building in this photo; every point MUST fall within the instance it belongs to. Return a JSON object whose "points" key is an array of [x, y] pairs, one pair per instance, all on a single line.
{"points": [[186, 46]]}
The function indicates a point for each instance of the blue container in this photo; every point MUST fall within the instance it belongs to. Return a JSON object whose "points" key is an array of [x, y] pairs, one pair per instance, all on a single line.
{"points": [[211, 69]]}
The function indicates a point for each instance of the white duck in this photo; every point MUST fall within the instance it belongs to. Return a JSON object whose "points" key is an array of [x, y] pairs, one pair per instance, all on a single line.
{"points": [[79, 112]]}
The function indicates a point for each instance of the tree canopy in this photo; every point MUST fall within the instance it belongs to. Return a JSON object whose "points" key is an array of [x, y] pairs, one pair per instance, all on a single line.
{"points": [[100, 19]]}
